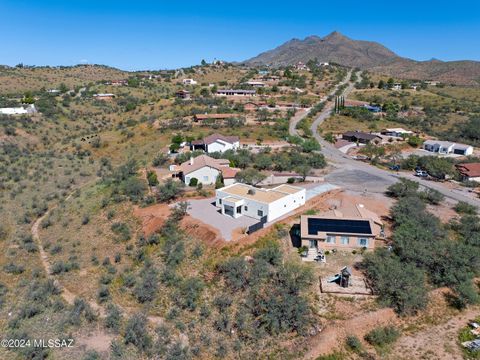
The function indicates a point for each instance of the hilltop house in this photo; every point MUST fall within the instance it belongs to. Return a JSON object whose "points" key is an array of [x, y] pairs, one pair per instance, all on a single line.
{"points": [[447, 147], [263, 204], [30, 109], [104, 96], [354, 227], [206, 170], [236, 92], [469, 171], [255, 83], [360, 137], [189, 82], [183, 94], [216, 142]]}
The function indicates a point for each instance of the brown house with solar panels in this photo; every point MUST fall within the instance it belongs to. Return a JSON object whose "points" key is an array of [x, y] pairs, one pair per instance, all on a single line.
{"points": [[335, 230]]}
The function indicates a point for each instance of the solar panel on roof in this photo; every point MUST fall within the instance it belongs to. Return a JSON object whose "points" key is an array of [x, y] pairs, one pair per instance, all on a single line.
{"points": [[316, 225]]}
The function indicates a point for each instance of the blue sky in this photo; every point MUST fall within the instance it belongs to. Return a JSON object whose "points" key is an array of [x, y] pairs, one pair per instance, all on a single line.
{"points": [[134, 35]]}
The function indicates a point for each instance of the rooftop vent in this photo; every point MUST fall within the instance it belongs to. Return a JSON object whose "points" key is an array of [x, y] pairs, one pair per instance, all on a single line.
{"points": [[251, 191]]}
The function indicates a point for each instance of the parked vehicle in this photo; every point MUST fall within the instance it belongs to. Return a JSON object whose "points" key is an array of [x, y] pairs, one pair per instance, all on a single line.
{"points": [[394, 167], [421, 173]]}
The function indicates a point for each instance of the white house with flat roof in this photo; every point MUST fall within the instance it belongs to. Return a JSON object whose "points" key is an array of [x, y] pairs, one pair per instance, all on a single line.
{"points": [[397, 132], [30, 109], [189, 82], [245, 200], [447, 147]]}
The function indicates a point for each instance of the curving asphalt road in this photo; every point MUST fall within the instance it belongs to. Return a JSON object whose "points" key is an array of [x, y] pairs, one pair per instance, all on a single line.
{"points": [[370, 177]]}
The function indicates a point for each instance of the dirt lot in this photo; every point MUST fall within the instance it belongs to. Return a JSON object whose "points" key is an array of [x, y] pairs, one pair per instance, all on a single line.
{"points": [[153, 217]]}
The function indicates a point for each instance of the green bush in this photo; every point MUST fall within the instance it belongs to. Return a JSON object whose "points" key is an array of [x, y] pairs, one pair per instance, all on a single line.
{"points": [[113, 318], [463, 207], [382, 336], [136, 332], [415, 141], [354, 343], [169, 190], [122, 230], [152, 178], [193, 182]]}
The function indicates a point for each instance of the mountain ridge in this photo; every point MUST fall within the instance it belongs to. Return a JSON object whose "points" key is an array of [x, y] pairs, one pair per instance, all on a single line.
{"points": [[367, 55]]}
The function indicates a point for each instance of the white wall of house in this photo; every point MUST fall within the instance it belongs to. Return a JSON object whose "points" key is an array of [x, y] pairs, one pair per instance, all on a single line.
{"points": [[467, 151], [250, 207], [477, 179], [205, 175], [230, 181], [273, 210], [222, 146], [286, 204], [449, 149]]}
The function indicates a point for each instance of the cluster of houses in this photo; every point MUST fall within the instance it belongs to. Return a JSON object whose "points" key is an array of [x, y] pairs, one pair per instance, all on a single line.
{"points": [[435, 146], [350, 228], [205, 169]]}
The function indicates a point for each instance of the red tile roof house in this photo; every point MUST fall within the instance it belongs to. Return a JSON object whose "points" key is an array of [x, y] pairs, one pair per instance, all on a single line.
{"points": [[470, 171], [206, 170], [216, 142]]}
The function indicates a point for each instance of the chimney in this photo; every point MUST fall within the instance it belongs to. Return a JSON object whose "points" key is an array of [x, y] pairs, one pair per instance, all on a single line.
{"points": [[191, 160]]}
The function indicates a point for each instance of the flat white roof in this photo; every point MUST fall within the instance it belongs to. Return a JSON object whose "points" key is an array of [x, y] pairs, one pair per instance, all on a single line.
{"points": [[244, 191], [400, 130]]}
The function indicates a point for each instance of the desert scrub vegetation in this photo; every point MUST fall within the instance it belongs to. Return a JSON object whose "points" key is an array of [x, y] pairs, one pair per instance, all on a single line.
{"points": [[228, 303], [402, 276]]}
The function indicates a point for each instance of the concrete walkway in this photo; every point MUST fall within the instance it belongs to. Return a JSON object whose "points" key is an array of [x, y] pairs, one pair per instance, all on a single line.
{"points": [[320, 189]]}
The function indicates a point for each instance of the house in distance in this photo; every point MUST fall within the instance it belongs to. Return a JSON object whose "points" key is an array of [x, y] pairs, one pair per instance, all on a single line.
{"points": [[206, 170], [216, 143], [447, 147], [469, 171]]}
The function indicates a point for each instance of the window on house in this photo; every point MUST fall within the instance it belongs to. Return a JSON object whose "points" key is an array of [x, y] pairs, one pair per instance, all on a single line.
{"points": [[220, 201], [330, 239], [345, 240], [363, 242], [205, 178], [260, 213], [245, 208], [239, 209]]}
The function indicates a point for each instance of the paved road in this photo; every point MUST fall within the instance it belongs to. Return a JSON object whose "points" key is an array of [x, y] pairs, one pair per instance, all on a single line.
{"points": [[292, 128], [380, 178]]}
